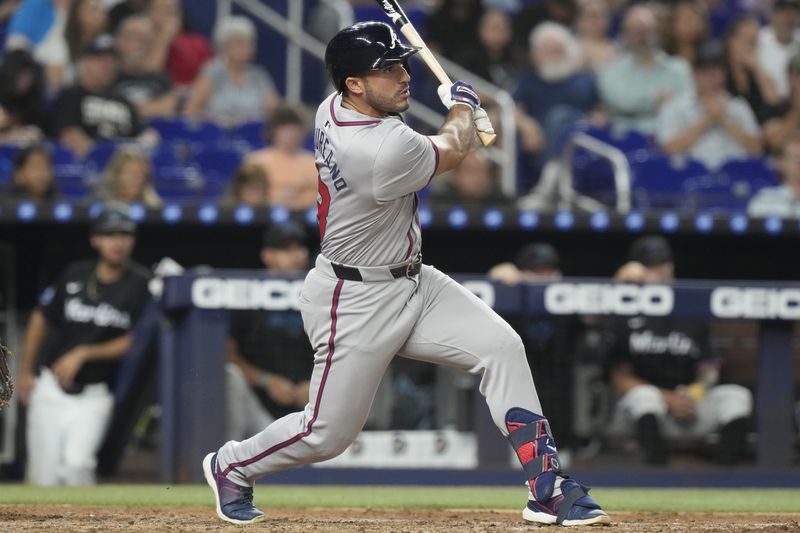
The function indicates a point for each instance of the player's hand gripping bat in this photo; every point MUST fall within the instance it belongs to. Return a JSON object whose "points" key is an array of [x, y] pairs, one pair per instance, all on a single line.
{"points": [[398, 17]]}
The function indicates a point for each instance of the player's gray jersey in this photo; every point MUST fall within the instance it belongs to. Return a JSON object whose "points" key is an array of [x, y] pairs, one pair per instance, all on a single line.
{"points": [[369, 173]]}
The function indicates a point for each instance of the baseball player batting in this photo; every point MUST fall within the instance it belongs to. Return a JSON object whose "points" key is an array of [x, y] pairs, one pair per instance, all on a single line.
{"points": [[370, 298]]}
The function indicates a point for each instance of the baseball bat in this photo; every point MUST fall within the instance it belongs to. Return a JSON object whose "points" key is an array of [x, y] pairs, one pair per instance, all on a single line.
{"points": [[399, 19]]}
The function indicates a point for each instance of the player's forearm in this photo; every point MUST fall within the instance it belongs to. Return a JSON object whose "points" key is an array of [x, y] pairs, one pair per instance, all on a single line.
{"points": [[252, 374], [34, 336], [459, 130], [109, 350], [623, 380]]}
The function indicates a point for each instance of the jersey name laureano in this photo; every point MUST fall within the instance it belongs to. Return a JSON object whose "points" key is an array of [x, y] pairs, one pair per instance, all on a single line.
{"points": [[322, 145]]}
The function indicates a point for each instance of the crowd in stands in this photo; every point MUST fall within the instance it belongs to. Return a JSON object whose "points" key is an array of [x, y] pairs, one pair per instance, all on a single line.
{"points": [[124, 101], [700, 84]]}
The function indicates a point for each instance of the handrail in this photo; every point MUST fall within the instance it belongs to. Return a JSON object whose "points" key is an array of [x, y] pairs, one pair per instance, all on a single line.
{"points": [[622, 169], [291, 28]]}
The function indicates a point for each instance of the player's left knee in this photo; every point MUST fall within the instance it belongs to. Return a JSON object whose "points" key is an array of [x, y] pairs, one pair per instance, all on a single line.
{"points": [[735, 401]]}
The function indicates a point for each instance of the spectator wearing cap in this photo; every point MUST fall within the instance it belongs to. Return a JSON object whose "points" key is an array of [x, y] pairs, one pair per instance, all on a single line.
{"points": [[666, 377], [783, 200], [709, 123], [269, 356], [290, 168], [778, 129], [231, 88], [73, 343], [150, 90], [89, 111], [471, 183], [778, 42], [537, 261], [635, 85]]}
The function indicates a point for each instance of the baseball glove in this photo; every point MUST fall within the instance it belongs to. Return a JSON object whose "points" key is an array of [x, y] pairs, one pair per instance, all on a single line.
{"points": [[6, 381]]}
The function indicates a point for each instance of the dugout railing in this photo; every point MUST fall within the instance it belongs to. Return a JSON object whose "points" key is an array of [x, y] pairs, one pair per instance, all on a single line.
{"points": [[192, 346]]}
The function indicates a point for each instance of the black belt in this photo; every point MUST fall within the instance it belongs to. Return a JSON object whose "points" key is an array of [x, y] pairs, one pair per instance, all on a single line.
{"points": [[353, 274]]}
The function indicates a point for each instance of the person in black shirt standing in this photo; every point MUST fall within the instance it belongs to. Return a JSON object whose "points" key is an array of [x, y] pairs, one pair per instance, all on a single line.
{"points": [[665, 375], [74, 340], [270, 357]]}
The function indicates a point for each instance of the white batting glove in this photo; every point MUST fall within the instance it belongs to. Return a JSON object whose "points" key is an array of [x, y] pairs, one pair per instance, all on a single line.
{"points": [[458, 93], [482, 122]]}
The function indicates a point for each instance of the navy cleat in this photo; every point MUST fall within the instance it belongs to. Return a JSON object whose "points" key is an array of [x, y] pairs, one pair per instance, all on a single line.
{"points": [[569, 506], [234, 502]]}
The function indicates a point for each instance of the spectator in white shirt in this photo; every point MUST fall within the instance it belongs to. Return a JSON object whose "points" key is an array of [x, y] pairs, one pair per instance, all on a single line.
{"points": [[783, 200], [778, 42]]}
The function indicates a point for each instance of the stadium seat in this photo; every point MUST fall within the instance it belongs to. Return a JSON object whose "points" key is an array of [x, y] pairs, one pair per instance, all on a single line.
{"points": [[251, 133], [732, 186], [182, 182], [626, 140], [170, 129], [753, 171], [658, 182], [179, 130], [98, 157], [70, 172], [9, 151], [217, 162]]}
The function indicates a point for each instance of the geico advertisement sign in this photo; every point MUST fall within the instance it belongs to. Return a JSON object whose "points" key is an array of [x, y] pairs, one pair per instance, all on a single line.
{"points": [[269, 294], [755, 302], [608, 299]]}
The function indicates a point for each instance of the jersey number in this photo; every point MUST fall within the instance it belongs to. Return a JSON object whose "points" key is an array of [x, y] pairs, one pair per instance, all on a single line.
{"points": [[323, 204]]}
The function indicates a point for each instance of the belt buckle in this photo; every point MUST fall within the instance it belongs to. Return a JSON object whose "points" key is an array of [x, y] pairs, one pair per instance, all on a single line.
{"points": [[412, 264]]}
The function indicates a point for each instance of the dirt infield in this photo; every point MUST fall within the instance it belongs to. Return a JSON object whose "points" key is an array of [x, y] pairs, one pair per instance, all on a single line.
{"points": [[139, 519]]}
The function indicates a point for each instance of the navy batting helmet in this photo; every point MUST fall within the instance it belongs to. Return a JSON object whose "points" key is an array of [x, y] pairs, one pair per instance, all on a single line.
{"points": [[362, 47]]}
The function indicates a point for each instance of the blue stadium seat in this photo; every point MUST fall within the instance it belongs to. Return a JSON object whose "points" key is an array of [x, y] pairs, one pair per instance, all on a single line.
{"points": [[754, 171], [166, 155], [98, 157], [202, 132], [659, 182], [175, 130], [9, 151], [593, 176], [6, 172], [626, 140], [251, 133], [71, 174], [182, 182], [170, 129], [217, 163], [732, 186]]}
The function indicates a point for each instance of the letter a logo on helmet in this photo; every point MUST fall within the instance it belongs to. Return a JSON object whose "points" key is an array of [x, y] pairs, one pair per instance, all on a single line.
{"points": [[363, 47]]}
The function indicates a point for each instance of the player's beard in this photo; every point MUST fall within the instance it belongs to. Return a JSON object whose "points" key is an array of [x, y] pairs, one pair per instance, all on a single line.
{"points": [[386, 104]]}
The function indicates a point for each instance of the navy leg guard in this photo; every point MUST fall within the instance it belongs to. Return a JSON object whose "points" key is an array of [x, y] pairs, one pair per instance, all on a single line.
{"points": [[532, 440]]}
